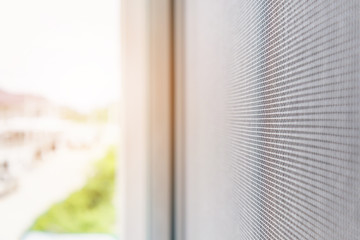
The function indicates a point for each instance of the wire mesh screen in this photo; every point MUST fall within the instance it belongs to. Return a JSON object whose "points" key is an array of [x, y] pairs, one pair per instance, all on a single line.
{"points": [[272, 119]]}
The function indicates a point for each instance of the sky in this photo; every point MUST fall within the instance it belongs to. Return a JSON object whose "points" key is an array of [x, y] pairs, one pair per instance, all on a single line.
{"points": [[65, 50]]}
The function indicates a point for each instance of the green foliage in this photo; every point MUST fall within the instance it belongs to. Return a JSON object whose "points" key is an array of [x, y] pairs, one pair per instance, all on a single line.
{"points": [[89, 210]]}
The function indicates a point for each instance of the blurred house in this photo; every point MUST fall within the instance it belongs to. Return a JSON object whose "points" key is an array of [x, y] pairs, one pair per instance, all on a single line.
{"points": [[34, 129], [25, 105]]}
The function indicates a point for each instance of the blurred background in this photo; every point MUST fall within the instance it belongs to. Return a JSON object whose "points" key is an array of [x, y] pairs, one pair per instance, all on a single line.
{"points": [[59, 96]]}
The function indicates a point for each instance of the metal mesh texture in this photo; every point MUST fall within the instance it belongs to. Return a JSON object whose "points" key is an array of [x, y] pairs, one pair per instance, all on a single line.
{"points": [[272, 119]]}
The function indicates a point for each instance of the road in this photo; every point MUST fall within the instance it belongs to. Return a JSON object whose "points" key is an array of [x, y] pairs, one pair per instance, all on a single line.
{"points": [[49, 182]]}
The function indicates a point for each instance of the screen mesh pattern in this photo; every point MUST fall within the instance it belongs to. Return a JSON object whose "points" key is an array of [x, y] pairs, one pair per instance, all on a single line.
{"points": [[293, 101]]}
